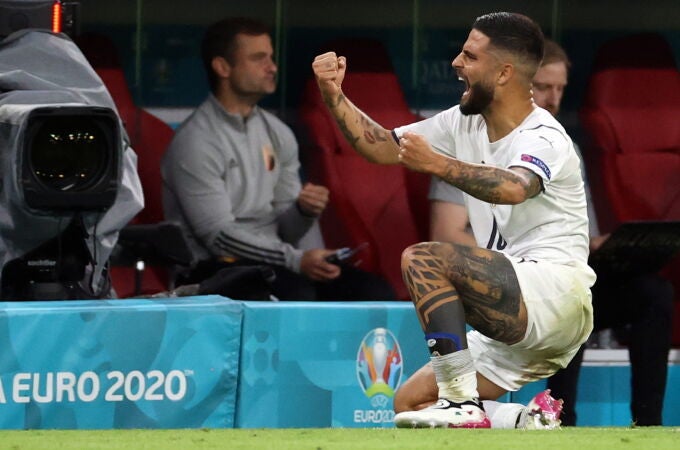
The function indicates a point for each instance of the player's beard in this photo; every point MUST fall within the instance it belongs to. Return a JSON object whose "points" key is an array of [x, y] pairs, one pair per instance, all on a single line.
{"points": [[478, 99]]}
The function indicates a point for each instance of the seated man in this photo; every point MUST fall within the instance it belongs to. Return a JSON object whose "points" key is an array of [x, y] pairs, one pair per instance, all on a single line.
{"points": [[230, 178], [644, 302]]}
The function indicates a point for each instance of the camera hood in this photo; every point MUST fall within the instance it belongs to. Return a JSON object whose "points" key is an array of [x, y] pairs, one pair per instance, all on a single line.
{"points": [[63, 149]]}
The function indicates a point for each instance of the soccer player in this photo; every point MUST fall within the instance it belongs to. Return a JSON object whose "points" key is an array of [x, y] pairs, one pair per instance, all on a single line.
{"points": [[526, 288], [645, 302]]}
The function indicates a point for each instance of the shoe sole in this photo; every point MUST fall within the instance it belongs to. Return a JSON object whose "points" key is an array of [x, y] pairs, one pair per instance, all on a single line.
{"points": [[435, 424]]}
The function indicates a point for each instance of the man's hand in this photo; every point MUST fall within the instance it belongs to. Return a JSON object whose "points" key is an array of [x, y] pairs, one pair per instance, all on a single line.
{"points": [[416, 153], [315, 266], [313, 199], [329, 70]]}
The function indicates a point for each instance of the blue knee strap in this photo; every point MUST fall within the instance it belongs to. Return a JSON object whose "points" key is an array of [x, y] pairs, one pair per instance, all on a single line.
{"points": [[451, 337]]}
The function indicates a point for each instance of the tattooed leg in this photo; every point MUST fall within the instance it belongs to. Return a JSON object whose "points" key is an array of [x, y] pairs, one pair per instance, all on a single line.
{"points": [[451, 284], [442, 318], [484, 280], [438, 306]]}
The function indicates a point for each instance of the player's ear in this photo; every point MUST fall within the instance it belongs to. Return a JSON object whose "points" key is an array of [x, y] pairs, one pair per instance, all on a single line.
{"points": [[221, 67], [505, 74]]}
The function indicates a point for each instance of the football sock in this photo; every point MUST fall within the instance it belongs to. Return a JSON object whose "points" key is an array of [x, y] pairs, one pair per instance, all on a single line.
{"points": [[456, 376], [505, 415]]}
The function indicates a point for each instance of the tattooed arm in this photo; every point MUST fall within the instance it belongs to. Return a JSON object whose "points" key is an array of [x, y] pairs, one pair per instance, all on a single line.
{"points": [[490, 184], [370, 140]]}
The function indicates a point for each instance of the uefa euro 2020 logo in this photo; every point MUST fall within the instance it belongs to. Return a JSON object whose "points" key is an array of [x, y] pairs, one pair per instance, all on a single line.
{"points": [[379, 366]]}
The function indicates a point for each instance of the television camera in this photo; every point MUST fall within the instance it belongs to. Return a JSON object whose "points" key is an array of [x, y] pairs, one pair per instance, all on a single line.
{"points": [[69, 182]]}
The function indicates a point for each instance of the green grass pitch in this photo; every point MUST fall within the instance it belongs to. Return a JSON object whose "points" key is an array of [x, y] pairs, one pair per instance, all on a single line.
{"points": [[655, 438]]}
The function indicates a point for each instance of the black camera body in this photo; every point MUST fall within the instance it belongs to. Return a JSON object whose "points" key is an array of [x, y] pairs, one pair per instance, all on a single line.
{"points": [[53, 271], [68, 165]]}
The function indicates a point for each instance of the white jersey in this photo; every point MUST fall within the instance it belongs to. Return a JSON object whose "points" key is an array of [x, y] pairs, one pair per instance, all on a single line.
{"points": [[552, 226]]}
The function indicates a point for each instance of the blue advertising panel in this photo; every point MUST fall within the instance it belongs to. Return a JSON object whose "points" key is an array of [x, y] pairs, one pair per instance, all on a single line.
{"points": [[331, 364], [169, 363]]}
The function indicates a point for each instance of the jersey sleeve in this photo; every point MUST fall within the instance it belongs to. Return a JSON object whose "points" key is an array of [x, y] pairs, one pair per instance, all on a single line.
{"points": [[437, 130], [542, 150]]}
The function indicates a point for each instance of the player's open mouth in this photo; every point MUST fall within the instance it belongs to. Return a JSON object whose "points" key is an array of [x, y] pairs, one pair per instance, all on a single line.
{"points": [[467, 85]]}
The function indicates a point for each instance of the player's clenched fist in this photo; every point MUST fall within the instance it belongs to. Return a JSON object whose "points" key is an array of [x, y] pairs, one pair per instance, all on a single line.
{"points": [[416, 153], [329, 70]]}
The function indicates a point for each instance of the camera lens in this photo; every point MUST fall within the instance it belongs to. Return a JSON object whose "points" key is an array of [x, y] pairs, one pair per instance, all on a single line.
{"points": [[69, 154]]}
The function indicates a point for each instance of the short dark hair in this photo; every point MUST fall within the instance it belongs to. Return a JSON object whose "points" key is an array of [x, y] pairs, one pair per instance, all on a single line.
{"points": [[220, 40], [514, 33], [553, 53]]}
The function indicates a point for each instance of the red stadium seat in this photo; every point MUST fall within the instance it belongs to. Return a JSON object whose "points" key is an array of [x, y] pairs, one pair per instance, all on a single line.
{"points": [[381, 205], [149, 137], [631, 114]]}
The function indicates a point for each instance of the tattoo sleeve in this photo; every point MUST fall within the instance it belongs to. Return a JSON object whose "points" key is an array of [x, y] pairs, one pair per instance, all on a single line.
{"points": [[367, 137], [493, 184]]}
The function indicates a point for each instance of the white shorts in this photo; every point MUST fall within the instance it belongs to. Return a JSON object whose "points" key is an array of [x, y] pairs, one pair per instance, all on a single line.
{"points": [[560, 319]]}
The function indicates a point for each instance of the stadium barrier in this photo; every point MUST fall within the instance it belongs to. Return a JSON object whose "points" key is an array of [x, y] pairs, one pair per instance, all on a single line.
{"points": [[218, 363], [307, 364], [119, 364]]}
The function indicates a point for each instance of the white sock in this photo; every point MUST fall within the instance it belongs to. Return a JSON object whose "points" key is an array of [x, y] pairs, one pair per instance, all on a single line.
{"points": [[504, 415], [456, 376]]}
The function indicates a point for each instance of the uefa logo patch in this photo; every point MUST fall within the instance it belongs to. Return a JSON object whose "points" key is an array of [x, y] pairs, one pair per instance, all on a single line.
{"points": [[379, 365], [538, 162]]}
